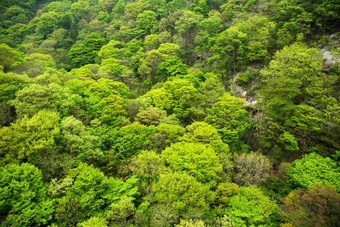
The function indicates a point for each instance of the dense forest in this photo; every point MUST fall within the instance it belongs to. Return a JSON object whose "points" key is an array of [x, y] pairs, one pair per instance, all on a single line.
{"points": [[185, 113]]}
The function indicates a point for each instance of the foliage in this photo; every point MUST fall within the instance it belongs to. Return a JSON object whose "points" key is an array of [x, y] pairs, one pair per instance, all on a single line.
{"points": [[195, 159], [313, 169], [318, 205], [251, 208], [86, 52], [144, 112], [252, 168], [28, 136], [132, 138], [186, 197], [229, 117], [23, 196], [93, 192]]}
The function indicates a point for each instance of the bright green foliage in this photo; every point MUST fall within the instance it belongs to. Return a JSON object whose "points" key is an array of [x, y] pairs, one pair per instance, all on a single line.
{"points": [[107, 5], [46, 24], [252, 168], [148, 165], [15, 15], [113, 67], [313, 169], [245, 42], [105, 87], [225, 191], [85, 72], [233, 8], [229, 116], [318, 205], [23, 196], [208, 28], [119, 8], [146, 21], [116, 106], [176, 5], [150, 116], [149, 65], [132, 138], [187, 29], [94, 192], [201, 132], [30, 100], [199, 6], [9, 57], [111, 50], [190, 223], [94, 222], [171, 67], [76, 138], [186, 196], [28, 136], [27, 5], [120, 211], [291, 96], [251, 208], [172, 133], [86, 52], [175, 96], [296, 17], [65, 101], [195, 159], [138, 88], [9, 84]]}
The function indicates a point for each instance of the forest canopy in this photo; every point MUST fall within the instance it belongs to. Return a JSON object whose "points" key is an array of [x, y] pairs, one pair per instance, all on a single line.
{"points": [[169, 113]]}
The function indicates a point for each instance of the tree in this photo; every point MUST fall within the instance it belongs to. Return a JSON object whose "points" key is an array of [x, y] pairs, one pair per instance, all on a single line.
{"points": [[111, 50], [149, 65], [147, 166], [10, 83], [105, 87], [171, 67], [195, 159], [176, 96], [46, 24], [150, 116], [9, 57], [251, 168], [31, 99], [251, 208], [132, 138], [208, 28], [28, 136], [229, 116], [243, 43], [94, 222], [186, 197], [87, 51], [23, 199], [225, 191], [318, 205], [313, 169], [176, 5], [76, 138], [187, 27], [93, 192], [146, 21], [121, 211], [292, 92]]}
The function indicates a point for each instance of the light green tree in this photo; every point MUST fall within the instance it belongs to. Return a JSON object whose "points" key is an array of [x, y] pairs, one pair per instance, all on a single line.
{"points": [[23, 199]]}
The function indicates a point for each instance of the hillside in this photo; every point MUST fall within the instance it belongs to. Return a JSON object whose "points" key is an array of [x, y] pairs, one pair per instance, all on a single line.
{"points": [[169, 113]]}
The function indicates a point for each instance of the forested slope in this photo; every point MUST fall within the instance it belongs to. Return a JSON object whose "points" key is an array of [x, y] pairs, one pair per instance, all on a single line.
{"points": [[169, 113]]}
